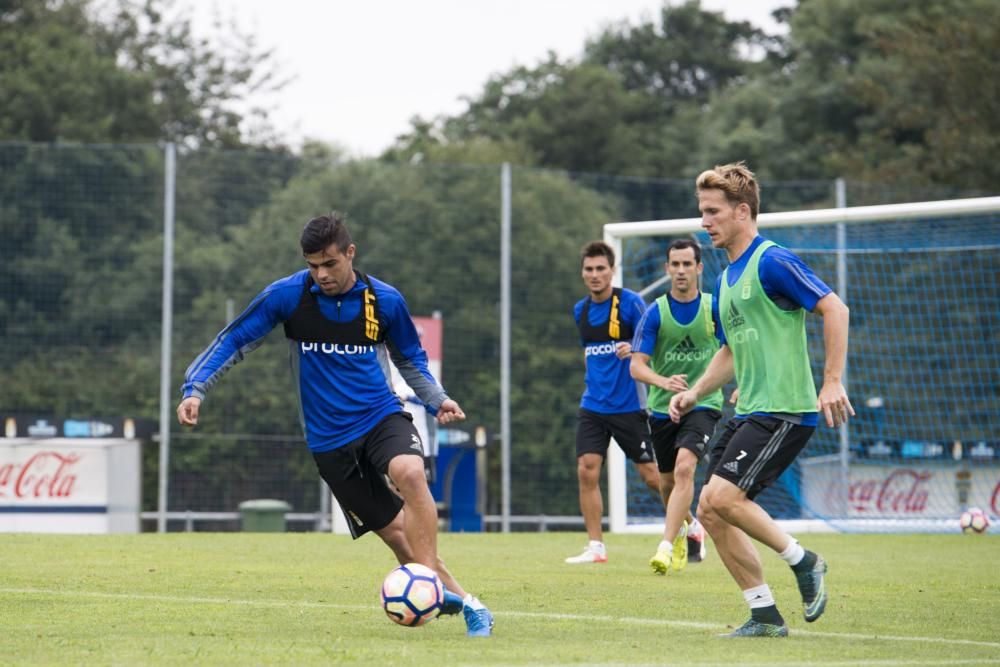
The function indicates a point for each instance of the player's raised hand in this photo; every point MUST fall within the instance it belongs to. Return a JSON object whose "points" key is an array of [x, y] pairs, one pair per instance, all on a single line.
{"points": [[449, 412], [834, 404], [187, 411], [681, 403]]}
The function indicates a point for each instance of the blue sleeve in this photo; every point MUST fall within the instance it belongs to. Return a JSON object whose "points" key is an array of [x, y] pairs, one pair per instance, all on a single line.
{"points": [[788, 281], [649, 326], [577, 311], [633, 308], [716, 319], [407, 353], [241, 336]]}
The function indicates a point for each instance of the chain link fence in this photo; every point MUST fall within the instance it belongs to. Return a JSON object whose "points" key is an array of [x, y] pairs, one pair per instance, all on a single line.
{"points": [[81, 290]]}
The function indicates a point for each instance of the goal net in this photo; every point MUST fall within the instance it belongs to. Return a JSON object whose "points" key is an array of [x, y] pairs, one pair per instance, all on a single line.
{"points": [[922, 282]]}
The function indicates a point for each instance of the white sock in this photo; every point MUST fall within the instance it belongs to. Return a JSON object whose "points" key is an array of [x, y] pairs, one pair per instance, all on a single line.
{"points": [[472, 602], [793, 553], [758, 596], [693, 526], [597, 547], [665, 546]]}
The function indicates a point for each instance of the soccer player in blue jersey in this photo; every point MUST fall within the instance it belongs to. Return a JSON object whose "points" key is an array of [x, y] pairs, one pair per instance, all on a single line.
{"points": [[760, 305], [613, 404], [343, 326], [673, 346]]}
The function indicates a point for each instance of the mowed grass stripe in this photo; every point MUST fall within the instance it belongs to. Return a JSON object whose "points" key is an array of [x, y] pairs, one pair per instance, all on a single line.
{"points": [[500, 614]]}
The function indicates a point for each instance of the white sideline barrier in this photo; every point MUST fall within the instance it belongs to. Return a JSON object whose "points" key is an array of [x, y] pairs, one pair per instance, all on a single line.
{"points": [[69, 485]]}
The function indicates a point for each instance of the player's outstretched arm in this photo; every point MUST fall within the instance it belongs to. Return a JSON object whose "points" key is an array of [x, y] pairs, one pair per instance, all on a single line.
{"points": [[187, 411], [832, 400]]}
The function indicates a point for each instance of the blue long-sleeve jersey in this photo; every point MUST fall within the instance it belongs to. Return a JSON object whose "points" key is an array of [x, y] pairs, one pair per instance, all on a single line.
{"points": [[343, 390], [609, 387]]}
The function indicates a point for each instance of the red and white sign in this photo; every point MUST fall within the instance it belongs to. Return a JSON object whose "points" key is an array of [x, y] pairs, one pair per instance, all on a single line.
{"points": [[902, 491], [431, 332], [69, 485]]}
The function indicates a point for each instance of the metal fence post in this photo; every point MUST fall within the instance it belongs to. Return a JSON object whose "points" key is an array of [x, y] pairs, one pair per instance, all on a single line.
{"points": [[505, 278], [845, 436], [166, 330]]}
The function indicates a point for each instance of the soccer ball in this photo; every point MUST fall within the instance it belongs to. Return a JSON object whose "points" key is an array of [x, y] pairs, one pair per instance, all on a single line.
{"points": [[974, 520], [412, 594]]}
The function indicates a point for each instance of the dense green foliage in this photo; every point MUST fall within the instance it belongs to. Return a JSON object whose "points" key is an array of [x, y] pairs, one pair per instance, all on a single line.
{"points": [[244, 599], [124, 72], [865, 89]]}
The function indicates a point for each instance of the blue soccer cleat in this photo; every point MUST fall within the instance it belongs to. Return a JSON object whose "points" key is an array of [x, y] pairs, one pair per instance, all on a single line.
{"points": [[478, 621], [452, 603]]}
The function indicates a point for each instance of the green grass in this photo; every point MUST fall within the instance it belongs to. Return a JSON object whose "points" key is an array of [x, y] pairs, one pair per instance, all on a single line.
{"points": [[310, 599]]}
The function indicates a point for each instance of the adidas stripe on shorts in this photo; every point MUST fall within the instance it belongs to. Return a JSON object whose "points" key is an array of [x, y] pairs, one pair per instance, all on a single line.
{"points": [[753, 451]]}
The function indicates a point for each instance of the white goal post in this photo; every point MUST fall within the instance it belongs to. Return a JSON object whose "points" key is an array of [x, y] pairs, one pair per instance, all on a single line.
{"points": [[965, 228]]}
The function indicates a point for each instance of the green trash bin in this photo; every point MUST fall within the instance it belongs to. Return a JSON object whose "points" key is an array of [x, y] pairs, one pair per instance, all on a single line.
{"points": [[263, 515]]}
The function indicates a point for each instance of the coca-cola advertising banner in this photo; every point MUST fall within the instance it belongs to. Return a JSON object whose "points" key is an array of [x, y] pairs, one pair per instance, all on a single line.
{"points": [[901, 491], [69, 485]]}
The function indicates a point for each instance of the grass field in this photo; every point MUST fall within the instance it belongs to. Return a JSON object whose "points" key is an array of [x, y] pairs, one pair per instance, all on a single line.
{"points": [[311, 599]]}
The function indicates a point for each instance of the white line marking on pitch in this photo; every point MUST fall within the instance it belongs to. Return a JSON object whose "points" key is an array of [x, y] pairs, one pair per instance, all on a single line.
{"points": [[522, 614]]}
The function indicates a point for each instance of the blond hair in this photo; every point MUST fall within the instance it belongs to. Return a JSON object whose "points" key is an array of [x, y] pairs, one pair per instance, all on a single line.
{"points": [[735, 181]]}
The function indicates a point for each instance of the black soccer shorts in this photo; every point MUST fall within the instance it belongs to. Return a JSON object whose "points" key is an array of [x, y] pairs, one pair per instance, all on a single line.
{"points": [[753, 451], [629, 429], [357, 472], [694, 432]]}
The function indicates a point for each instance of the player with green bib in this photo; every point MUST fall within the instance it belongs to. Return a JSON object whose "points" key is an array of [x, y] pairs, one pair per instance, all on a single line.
{"points": [[673, 347], [761, 300]]}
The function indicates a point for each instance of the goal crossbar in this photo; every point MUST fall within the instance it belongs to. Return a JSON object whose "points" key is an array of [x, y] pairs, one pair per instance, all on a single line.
{"points": [[619, 230]]}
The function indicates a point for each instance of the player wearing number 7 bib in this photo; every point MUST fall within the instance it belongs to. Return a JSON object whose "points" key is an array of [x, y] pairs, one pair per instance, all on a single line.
{"points": [[760, 304]]}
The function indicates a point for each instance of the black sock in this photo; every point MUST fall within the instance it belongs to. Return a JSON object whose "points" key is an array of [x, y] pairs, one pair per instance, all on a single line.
{"points": [[769, 615], [807, 563]]}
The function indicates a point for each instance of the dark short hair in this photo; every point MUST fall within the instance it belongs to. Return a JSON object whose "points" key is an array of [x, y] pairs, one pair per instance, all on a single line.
{"points": [[321, 232], [598, 249], [680, 244]]}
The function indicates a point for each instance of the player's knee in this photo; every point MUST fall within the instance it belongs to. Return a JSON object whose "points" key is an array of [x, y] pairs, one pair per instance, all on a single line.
{"points": [[684, 470], [707, 516], [409, 476], [708, 506], [588, 470]]}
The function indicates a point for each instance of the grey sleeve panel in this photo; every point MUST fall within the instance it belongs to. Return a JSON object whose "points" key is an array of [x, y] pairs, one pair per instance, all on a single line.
{"points": [[200, 389], [420, 380]]}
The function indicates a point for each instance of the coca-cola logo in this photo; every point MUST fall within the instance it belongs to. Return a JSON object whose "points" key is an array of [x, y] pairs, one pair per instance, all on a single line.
{"points": [[46, 474], [903, 491]]}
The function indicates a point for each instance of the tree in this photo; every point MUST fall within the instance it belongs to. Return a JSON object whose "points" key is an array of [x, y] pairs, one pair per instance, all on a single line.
{"points": [[890, 91], [931, 87], [631, 106], [687, 56], [70, 74]]}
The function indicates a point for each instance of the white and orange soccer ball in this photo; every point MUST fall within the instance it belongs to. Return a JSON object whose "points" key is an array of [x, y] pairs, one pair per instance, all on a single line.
{"points": [[412, 594], [974, 520]]}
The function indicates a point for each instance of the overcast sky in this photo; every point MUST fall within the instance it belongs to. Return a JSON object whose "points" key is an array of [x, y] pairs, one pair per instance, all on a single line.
{"points": [[361, 69]]}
